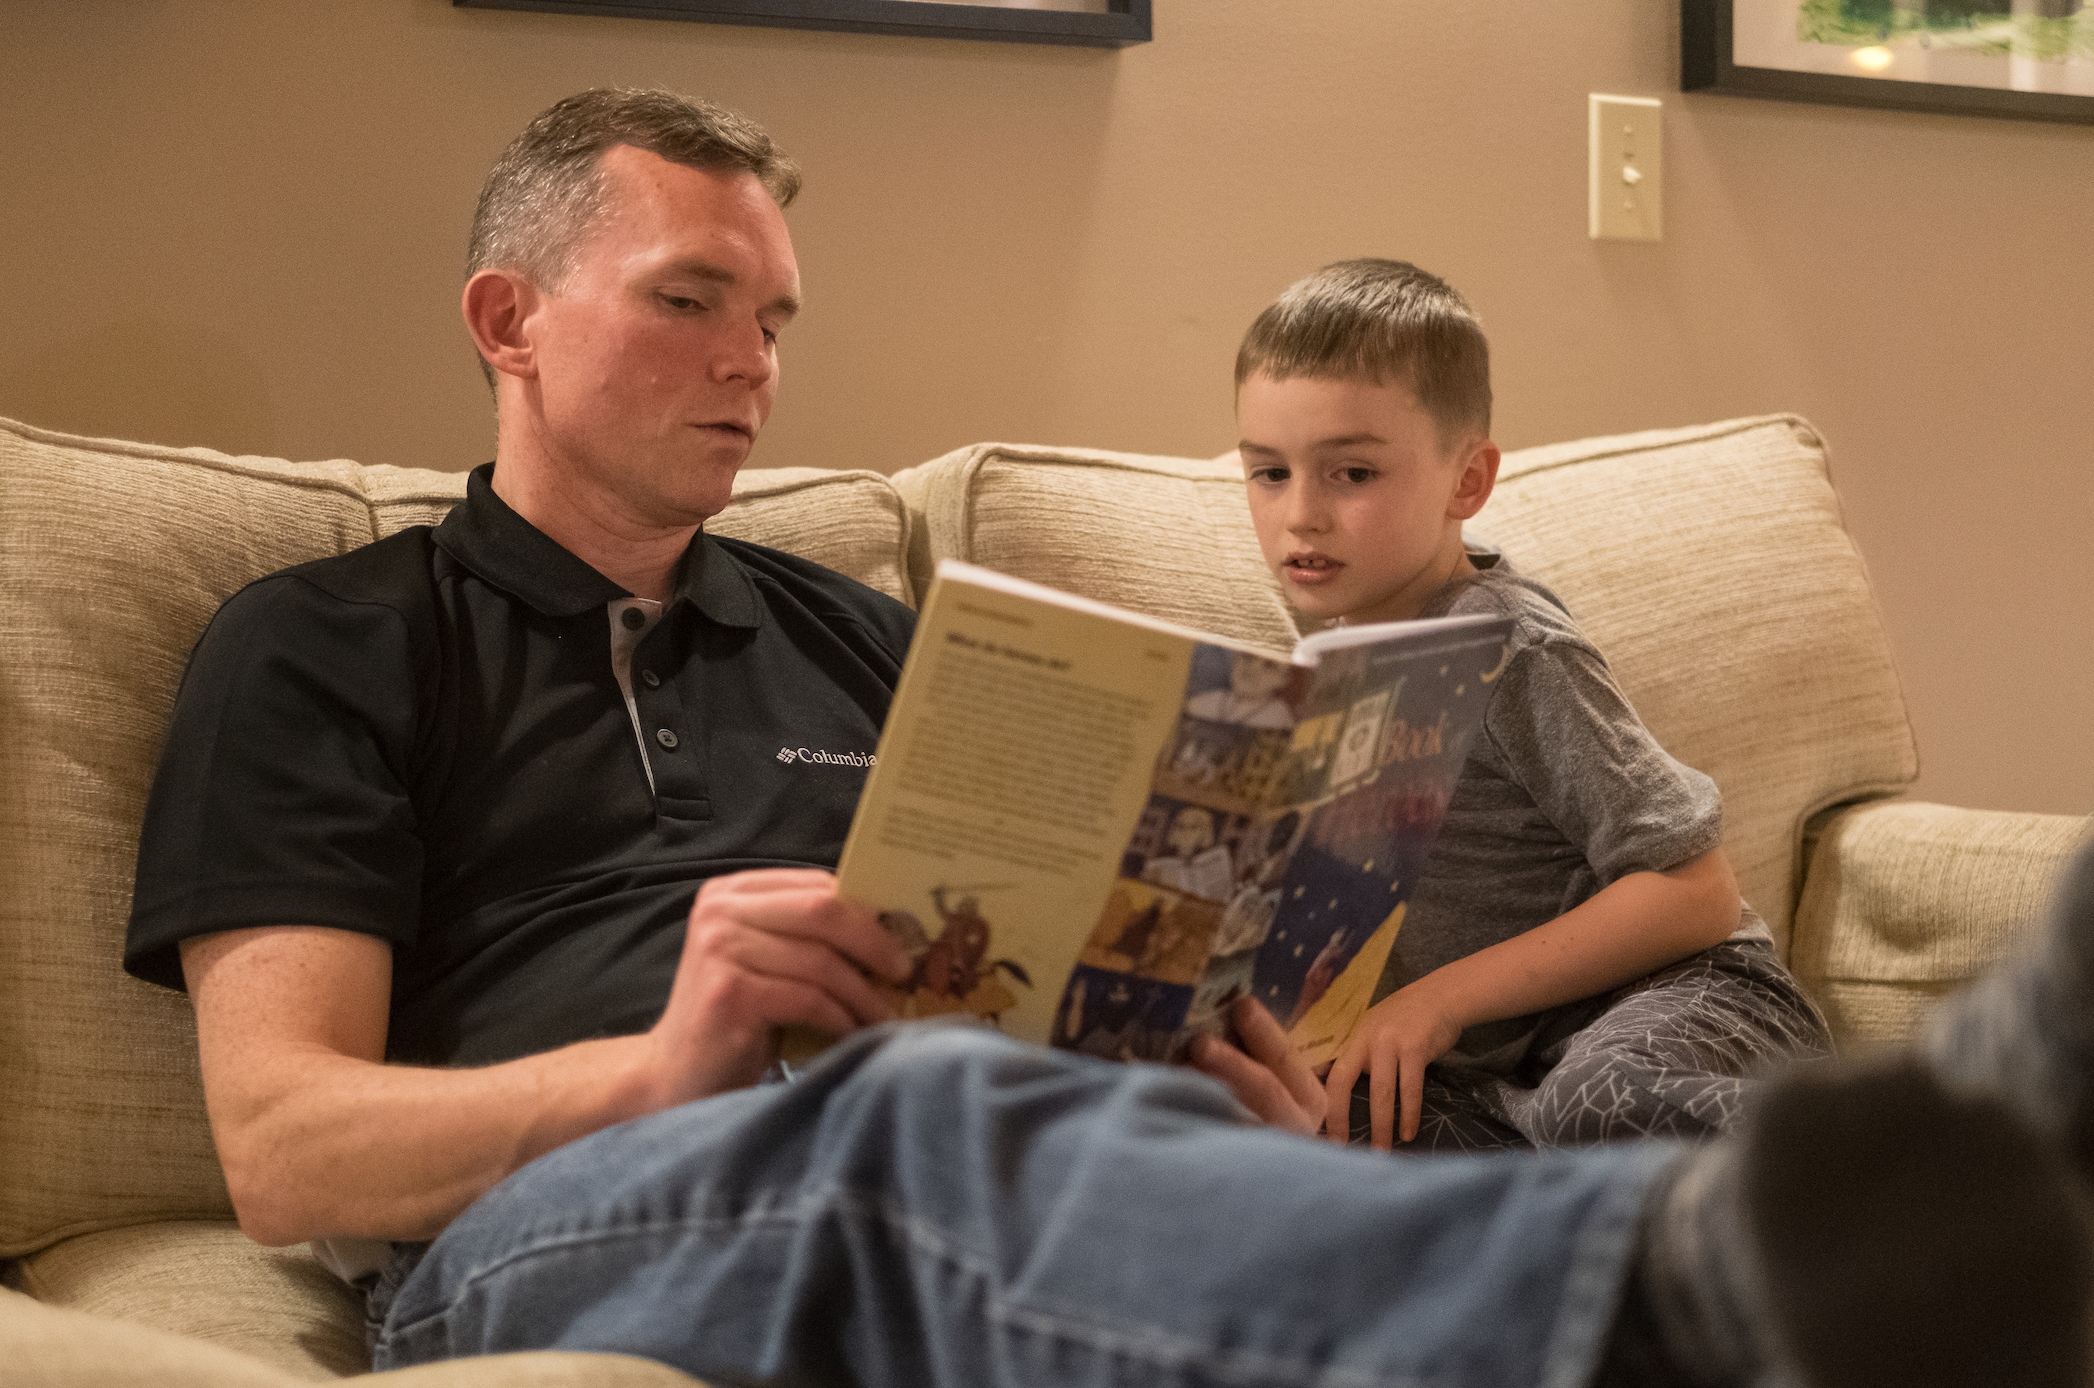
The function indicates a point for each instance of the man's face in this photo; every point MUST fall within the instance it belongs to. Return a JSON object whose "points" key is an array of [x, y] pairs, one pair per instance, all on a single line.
{"points": [[657, 355], [1353, 494]]}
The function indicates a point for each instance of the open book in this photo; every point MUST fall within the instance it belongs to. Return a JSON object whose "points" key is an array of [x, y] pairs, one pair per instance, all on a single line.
{"points": [[1096, 829]]}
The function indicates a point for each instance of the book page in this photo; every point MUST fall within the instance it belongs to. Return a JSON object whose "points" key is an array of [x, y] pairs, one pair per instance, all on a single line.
{"points": [[1383, 731], [1204, 851], [1013, 768]]}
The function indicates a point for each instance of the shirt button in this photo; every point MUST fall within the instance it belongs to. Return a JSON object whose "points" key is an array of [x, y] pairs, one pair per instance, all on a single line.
{"points": [[650, 679], [665, 737], [633, 618]]}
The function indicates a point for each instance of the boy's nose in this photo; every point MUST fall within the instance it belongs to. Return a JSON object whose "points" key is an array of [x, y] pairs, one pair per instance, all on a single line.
{"points": [[1305, 516]]}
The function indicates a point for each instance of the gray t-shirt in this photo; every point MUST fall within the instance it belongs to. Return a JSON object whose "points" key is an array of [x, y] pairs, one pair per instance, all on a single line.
{"points": [[1564, 792]]}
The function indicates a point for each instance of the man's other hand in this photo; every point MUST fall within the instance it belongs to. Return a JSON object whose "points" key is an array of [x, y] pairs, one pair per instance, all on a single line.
{"points": [[770, 948], [1263, 1070]]}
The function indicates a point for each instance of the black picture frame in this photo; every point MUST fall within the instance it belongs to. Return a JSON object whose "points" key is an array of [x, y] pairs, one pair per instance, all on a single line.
{"points": [[1128, 21], [1707, 30]]}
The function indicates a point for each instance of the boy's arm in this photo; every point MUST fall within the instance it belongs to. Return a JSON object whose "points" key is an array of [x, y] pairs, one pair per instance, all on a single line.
{"points": [[1638, 924]]}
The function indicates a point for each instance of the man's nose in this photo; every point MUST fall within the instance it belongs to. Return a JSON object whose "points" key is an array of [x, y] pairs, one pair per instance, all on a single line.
{"points": [[747, 355]]}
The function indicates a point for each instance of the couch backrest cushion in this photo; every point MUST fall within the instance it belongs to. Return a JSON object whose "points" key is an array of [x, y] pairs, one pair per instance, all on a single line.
{"points": [[1709, 564], [1167, 536], [113, 556]]}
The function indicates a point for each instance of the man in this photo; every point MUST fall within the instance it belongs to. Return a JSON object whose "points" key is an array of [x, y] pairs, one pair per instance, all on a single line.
{"points": [[439, 803], [446, 800]]}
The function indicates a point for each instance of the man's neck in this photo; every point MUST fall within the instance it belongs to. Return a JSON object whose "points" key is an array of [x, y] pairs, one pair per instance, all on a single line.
{"points": [[637, 556]]}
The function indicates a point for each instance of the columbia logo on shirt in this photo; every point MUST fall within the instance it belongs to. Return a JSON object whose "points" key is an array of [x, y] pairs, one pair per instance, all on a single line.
{"points": [[821, 758]]}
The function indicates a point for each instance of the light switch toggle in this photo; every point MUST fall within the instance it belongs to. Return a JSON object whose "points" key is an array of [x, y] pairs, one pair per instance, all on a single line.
{"points": [[1625, 173]]}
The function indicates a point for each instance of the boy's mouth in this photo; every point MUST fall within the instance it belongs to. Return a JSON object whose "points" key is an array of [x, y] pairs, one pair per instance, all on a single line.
{"points": [[1307, 566]]}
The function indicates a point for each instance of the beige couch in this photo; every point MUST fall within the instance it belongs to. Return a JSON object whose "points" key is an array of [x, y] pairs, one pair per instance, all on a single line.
{"points": [[1709, 563]]}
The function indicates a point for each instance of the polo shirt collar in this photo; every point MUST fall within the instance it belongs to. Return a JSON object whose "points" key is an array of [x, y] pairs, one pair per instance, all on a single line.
{"points": [[485, 534], [715, 583]]}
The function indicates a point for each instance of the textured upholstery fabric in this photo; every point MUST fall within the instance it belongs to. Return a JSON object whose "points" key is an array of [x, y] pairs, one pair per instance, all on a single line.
{"points": [[1167, 536], [52, 1347], [854, 522], [113, 556], [1709, 564], [1905, 901], [210, 1282]]}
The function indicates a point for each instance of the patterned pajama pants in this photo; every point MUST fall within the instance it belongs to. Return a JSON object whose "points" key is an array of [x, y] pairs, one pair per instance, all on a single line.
{"points": [[1670, 1055]]}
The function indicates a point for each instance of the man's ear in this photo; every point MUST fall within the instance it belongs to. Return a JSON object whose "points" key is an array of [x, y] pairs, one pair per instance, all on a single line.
{"points": [[1479, 475], [498, 305]]}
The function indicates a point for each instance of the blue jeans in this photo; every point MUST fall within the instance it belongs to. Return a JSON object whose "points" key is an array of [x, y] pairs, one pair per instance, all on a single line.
{"points": [[937, 1205]]}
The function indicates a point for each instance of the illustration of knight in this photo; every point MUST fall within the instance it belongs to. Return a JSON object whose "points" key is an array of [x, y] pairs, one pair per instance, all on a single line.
{"points": [[953, 972]]}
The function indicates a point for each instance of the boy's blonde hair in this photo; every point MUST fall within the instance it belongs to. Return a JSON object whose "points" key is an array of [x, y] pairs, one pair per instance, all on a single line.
{"points": [[1379, 321]]}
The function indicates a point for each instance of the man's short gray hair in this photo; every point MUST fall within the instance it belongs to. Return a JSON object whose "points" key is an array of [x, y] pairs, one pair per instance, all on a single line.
{"points": [[547, 190]]}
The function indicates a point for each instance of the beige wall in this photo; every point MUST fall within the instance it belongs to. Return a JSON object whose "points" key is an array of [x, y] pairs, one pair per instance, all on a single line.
{"points": [[239, 224]]}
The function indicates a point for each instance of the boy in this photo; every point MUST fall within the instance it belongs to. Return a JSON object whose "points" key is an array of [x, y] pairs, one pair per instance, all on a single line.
{"points": [[1576, 965]]}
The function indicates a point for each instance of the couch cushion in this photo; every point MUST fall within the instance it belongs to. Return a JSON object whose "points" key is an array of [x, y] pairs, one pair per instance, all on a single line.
{"points": [[1711, 566], [854, 522], [209, 1282], [113, 556], [1167, 536], [1906, 901], [53, 1347]]}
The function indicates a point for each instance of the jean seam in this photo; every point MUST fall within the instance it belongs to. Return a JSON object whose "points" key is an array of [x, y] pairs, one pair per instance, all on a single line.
{"points": [[1599, 1270], [1033, 1316]]}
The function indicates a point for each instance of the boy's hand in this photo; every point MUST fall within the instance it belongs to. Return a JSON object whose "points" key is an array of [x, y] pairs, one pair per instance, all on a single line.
{"points": [[1394, 1042], [1266, 1075]]}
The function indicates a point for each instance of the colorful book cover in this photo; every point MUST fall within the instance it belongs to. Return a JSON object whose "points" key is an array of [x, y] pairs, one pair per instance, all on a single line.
{"points": [[1094, 830]]}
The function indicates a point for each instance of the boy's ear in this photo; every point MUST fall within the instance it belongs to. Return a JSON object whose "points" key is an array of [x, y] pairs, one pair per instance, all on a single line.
{"points": [[1479, 475]]}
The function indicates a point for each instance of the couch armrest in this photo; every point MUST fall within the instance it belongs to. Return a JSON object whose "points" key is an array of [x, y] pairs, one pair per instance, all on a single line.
{"points": [[1904, 901], [50, 1347]]}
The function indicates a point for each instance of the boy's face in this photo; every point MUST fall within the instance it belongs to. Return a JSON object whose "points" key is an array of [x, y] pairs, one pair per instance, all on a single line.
{"points": [[1357, 502]]}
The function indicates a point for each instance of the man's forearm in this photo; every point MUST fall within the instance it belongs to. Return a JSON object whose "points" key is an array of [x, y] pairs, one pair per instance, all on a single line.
{"points": [[321, 1139], [327, 1145]]}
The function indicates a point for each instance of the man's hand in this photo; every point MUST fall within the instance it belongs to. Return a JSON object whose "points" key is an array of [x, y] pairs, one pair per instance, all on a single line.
{"points": [[767, 949], [1400, 1035], [321, 1138], [1266, 1075]]}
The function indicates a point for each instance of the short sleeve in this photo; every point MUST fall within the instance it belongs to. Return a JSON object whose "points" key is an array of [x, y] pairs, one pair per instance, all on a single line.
{"points": [[282, 792], [1570, 738]]}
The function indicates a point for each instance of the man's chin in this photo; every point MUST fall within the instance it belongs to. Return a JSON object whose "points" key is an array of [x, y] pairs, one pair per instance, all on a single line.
{"points": [[703, 486]]}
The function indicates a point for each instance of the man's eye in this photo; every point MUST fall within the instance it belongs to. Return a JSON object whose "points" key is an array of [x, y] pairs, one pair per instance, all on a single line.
{"points": [[680, 303]]}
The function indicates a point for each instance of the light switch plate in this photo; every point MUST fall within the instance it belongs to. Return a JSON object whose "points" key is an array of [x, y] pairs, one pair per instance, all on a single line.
{"points": [[1626, 183]]}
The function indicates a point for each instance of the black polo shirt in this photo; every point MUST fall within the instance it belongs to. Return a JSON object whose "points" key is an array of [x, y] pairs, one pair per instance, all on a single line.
{"points": [[425, 740]]}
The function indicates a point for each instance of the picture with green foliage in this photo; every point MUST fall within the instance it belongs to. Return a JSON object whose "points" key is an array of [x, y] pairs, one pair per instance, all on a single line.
{"points": [[2062, 32]]}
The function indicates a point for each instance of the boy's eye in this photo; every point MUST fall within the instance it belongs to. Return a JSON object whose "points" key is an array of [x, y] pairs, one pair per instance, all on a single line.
{"points": [[1270, 473], [1357, 475]]}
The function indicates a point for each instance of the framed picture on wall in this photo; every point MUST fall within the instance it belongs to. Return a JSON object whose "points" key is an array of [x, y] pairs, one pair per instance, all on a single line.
{"points": [[2032, 59], [1094, 23]]}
